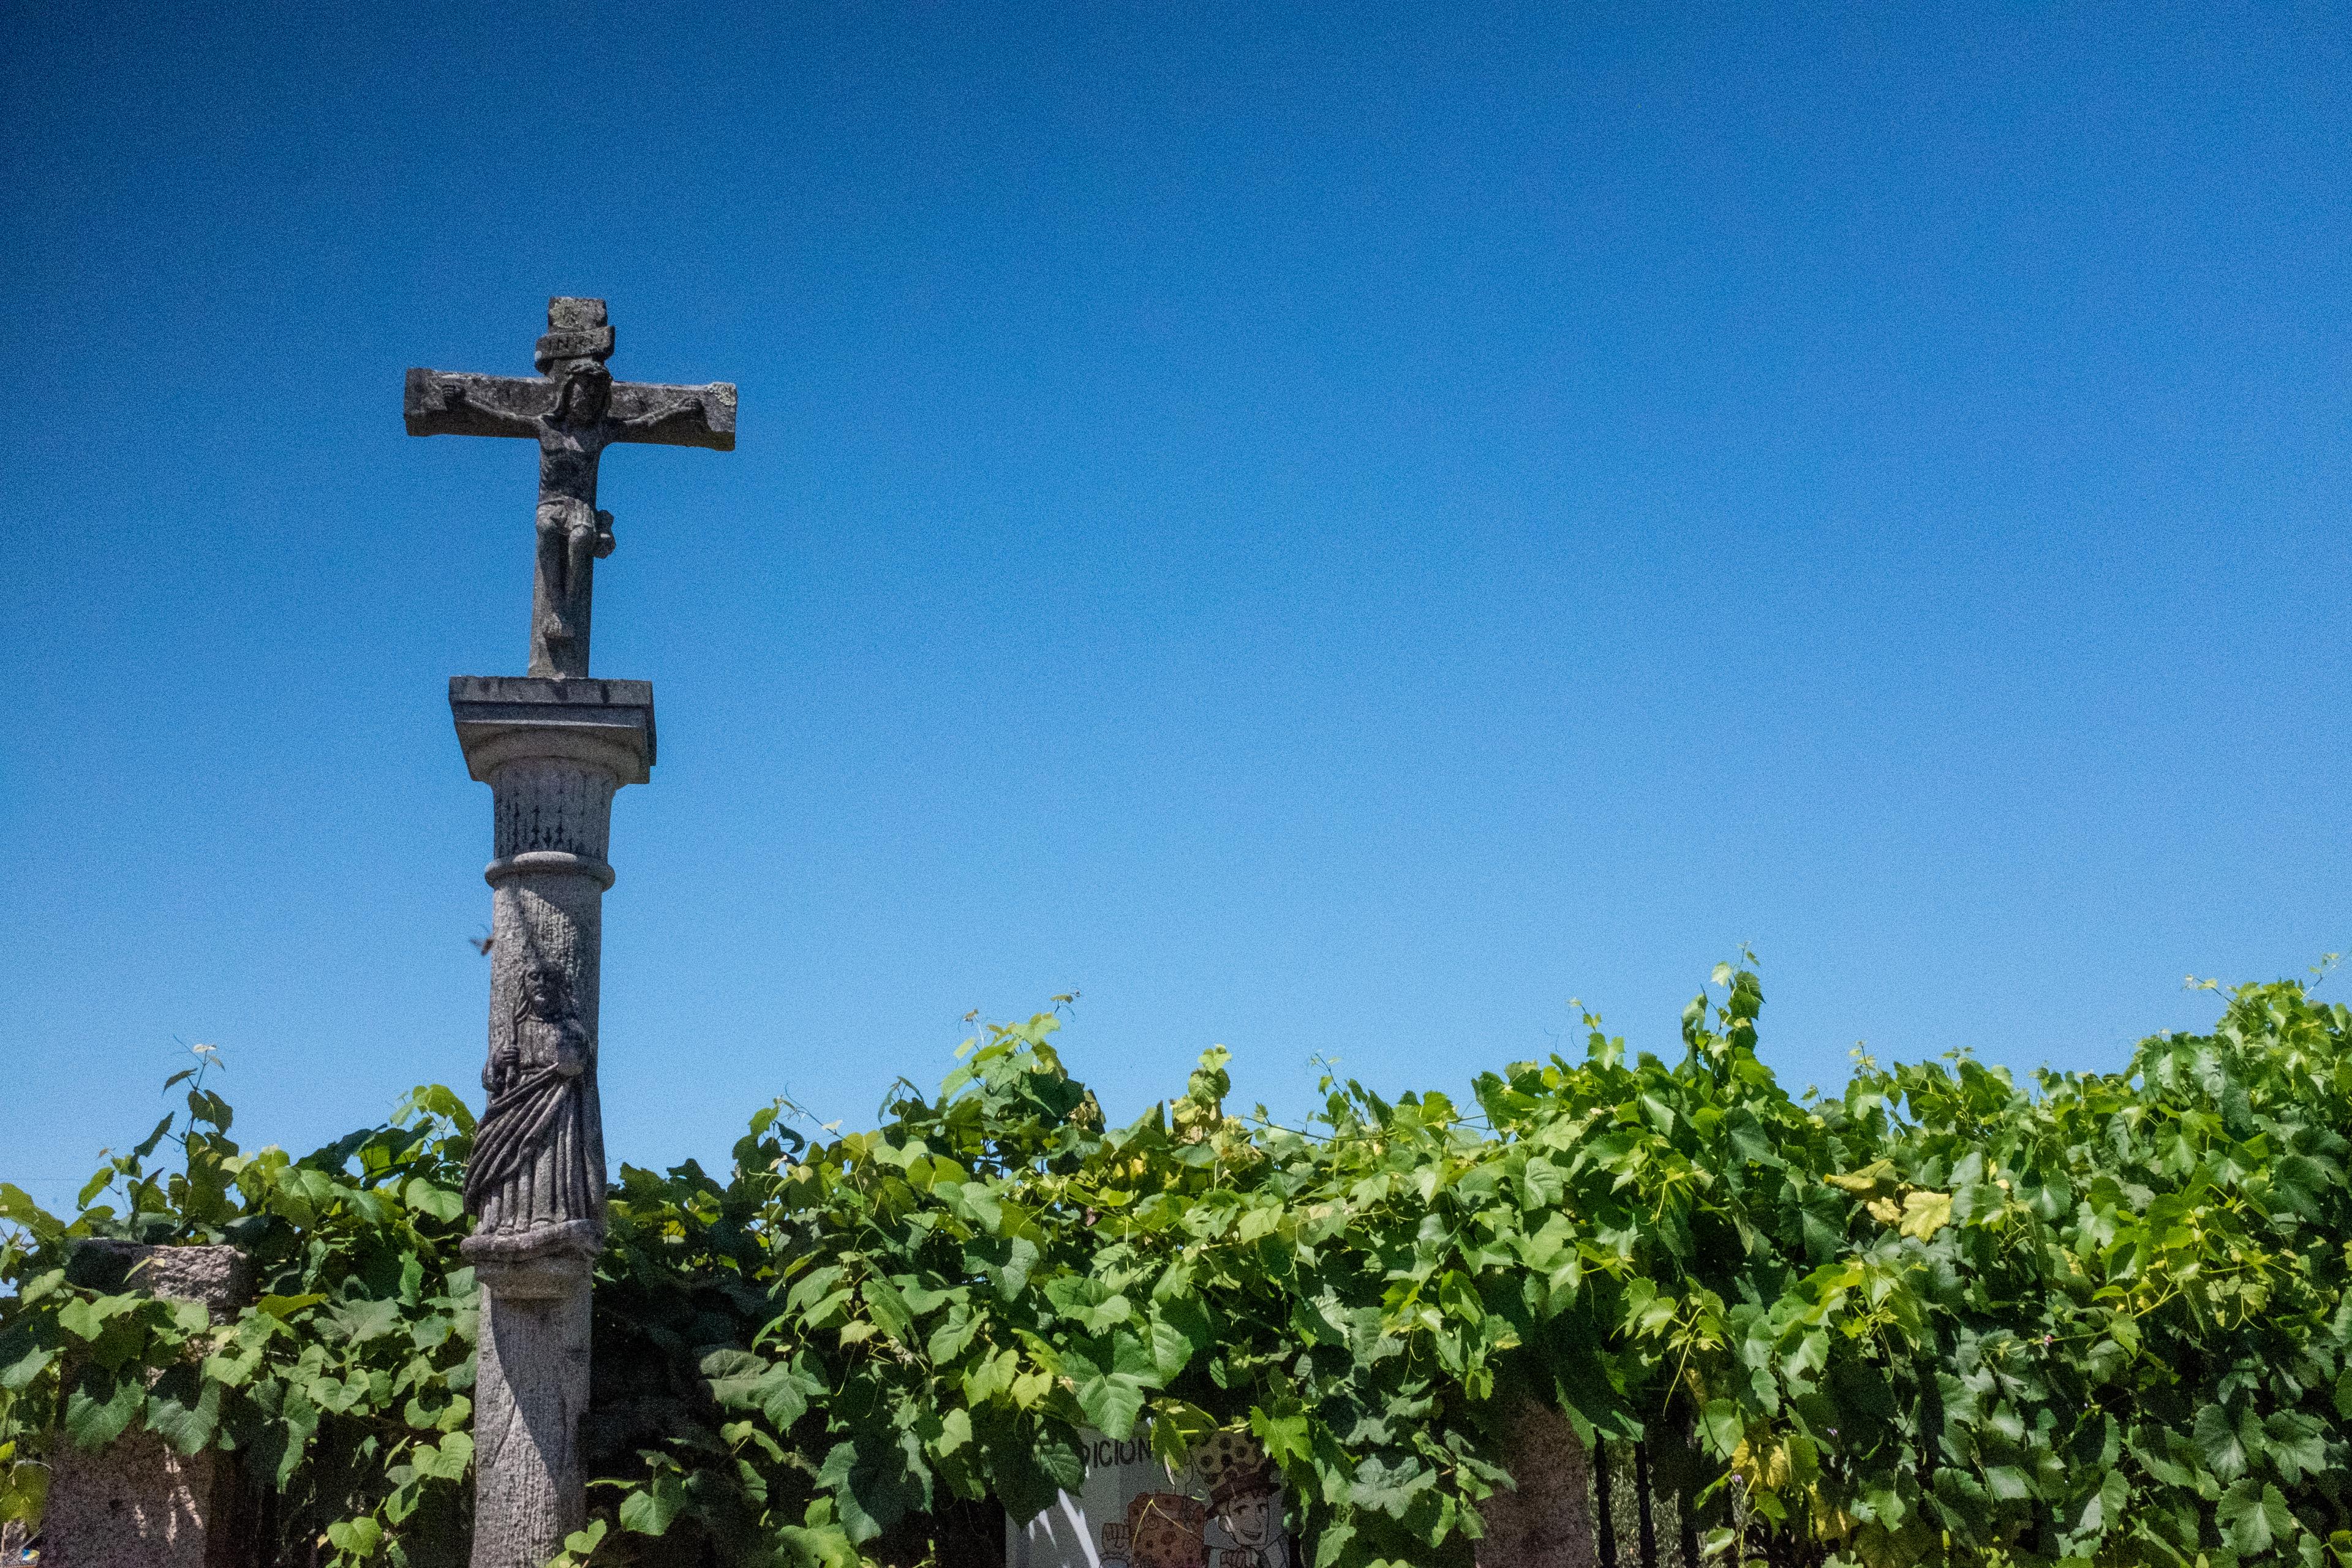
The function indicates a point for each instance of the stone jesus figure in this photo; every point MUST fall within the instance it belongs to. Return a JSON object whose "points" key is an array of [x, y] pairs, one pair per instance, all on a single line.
{"points": [[572, 534]]}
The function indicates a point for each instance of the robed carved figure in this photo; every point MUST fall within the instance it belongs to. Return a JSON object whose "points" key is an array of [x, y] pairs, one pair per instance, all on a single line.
{"points": [[537, 1176]]}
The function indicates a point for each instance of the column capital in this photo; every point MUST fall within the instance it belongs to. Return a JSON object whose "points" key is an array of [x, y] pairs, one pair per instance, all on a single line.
{"points": [[605, 725]]}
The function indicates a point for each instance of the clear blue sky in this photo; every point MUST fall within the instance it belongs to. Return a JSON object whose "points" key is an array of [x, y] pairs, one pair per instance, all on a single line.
{"points": [[1328, 530]]}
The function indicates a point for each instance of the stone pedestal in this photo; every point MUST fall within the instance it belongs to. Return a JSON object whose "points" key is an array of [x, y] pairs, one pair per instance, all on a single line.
{"points": [[138, 1502], [554, 753]]}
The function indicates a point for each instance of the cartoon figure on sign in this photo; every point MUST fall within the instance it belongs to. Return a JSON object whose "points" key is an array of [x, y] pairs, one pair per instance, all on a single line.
{"points": [[1245, 1495], [1167, 1530]]}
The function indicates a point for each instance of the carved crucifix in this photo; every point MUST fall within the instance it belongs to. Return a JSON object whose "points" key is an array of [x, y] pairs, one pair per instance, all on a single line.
{"points": [[574, 409]]}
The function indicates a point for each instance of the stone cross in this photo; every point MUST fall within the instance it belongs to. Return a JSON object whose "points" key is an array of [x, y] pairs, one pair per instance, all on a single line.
{"points": [[573, 410], [553, 745]]}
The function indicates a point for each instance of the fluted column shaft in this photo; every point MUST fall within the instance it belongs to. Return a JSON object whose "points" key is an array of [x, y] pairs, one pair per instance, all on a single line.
{"points": [[554, 753]]}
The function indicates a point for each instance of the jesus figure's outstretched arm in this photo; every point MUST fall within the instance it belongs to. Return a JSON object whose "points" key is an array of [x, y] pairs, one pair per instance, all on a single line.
{"points": [[663, 410], [457, 403]]}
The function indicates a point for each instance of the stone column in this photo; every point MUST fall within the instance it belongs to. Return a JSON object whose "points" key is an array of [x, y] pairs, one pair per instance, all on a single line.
{"points": [[553, 750]]}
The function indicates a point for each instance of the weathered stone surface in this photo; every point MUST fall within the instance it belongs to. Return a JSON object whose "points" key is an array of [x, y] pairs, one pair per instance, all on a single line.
{"points": [[219, 1277], [554, 751], [574, 413], [531, 1389], [136, 1503], [1547, 1523], [553, 745], [606, 725]]}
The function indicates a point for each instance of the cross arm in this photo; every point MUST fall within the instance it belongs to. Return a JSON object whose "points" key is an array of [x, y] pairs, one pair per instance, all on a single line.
{"points": [[458, 403], [675, 415]]}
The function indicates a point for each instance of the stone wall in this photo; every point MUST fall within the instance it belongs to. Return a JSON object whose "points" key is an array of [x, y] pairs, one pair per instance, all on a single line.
{"points": [[136, 1503], [1548, 1521]]}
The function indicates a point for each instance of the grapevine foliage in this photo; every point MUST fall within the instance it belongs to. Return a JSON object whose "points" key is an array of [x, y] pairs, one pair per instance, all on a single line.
{"points": [[1944, 1317]]}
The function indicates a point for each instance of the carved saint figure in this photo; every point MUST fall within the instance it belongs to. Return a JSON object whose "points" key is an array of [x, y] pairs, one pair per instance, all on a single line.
{"points": [[538, 1157]]}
